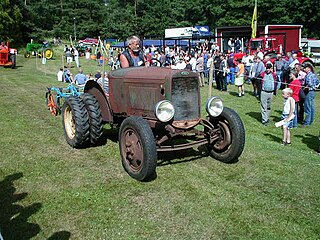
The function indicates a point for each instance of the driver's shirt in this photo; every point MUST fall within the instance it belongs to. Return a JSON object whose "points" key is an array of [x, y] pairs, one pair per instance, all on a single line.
{"points": [[137, 61]]}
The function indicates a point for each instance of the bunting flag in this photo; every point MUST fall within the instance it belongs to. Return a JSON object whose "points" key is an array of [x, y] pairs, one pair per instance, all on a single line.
{"points": [[254, 21]]}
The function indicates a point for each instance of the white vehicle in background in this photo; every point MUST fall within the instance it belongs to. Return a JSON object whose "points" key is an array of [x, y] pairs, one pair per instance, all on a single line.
{"points": [[311, 47]]}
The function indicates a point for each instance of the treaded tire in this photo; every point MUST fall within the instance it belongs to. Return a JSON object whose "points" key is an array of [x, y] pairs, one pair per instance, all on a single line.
{"points": [[95, 118], [75, 121], [138, 148], [232, 136]]}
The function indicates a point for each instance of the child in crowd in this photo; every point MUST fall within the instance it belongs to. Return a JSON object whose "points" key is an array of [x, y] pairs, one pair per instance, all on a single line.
{"points": [[287, 115], [239, 79]]}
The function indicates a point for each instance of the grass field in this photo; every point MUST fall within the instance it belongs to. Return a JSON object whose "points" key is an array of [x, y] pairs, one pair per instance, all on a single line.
{"points": [[50, 191]]}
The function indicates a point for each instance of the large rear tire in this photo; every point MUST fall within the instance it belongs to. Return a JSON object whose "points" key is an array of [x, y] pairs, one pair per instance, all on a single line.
{"points": [[138, 148], [95, 118], [231, 140], [75, 120]]}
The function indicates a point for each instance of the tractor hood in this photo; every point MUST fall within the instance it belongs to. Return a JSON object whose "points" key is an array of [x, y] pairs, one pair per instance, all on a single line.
{"points": [[136, 90], [143, 73]]}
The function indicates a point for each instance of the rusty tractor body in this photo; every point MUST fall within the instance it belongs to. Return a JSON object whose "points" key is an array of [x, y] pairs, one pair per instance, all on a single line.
{"points": [[156, 109]]}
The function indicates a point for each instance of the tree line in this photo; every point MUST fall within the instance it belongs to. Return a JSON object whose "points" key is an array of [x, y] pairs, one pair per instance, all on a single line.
{"points": [[22, 20]]}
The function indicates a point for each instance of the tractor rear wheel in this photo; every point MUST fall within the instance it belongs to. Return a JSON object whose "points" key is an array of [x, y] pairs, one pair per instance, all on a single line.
{"points": [[75, 120], [95, 118]]}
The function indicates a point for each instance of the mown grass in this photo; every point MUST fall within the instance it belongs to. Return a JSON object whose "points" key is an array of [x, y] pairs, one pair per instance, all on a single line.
{"points": [[50, 191]]}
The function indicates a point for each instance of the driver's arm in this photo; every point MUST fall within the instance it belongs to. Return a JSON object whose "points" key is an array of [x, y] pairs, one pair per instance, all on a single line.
{"points": [[124, 63]]}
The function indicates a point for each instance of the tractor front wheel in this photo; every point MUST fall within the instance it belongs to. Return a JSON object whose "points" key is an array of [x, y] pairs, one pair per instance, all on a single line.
{"points": [[138, 148], [230, 144]]}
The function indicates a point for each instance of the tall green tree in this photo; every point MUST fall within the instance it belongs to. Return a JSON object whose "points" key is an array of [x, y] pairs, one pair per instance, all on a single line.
{"points": [[22, 20]]}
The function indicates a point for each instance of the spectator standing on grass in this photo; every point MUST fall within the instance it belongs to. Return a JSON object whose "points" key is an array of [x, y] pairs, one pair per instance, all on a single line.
{"points": [[231, 67], [257, 69], [239, 79], [205, 61], [295, 85], [259, 53], [76, 57], [98, 56], [216, 63], [209, 65], [248, 62], [268, 89], [200, 69], [311, 82], [223, 69], [301, 76], [294, 61], [279, 65], [68, 54], [287, 115]]}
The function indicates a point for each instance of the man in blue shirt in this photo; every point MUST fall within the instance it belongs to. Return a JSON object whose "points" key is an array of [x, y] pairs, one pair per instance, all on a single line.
{"points": [[311, 81], [80, 78]]}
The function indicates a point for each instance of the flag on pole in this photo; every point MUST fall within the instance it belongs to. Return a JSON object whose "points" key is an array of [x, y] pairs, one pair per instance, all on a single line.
{"points": [[254, 21]]}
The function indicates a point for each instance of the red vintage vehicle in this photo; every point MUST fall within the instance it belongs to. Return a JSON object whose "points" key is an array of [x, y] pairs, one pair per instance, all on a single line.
{"points": [[270, 46], [89, 41], [8, 56]]}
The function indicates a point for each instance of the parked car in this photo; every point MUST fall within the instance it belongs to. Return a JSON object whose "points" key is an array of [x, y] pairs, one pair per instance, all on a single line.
{"points": [[156, 109], [88, 41]]}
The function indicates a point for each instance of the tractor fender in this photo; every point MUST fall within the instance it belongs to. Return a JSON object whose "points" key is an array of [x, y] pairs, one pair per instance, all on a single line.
{"points": [[93, 88]]}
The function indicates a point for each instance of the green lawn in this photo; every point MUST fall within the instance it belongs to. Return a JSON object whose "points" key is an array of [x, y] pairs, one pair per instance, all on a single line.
{"points": [[50, 191]]}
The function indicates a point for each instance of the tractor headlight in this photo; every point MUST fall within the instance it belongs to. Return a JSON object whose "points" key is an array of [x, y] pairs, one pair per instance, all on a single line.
{"points": [[214, 106], [164, 111]]}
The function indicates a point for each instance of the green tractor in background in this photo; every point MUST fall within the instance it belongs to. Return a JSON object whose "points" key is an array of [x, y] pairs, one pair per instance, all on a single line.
{"points": [[39, 50]]}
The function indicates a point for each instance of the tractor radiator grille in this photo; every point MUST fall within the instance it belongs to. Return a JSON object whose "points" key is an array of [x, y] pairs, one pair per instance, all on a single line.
{"points": [[185, 98]]}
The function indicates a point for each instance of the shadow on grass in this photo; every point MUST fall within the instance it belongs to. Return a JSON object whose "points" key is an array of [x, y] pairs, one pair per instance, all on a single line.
{"points": [[14, 217], [273, 137], [311, 141], [255, 115], [62, 235], [182, 156], [108, 135]]}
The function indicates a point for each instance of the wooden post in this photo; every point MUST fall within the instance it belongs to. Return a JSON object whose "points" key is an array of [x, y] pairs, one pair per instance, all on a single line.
{"points": [[210, 80]]}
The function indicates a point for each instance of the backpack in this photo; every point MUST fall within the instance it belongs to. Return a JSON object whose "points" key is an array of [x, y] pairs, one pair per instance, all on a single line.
{"points": [[268, 83]]}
